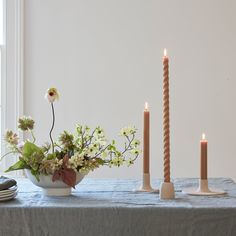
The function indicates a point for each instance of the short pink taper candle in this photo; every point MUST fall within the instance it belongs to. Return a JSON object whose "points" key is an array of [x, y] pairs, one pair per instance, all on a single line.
{"points": [[203, 143]]}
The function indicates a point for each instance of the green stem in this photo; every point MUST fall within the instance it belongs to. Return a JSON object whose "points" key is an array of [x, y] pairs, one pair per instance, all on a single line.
{"points": [[32, 134], [55, 144], [6, 154], [53, 122]]}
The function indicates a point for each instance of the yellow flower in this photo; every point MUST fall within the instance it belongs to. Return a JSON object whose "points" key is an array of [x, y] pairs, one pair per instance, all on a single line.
{"points": [[52, 95]]}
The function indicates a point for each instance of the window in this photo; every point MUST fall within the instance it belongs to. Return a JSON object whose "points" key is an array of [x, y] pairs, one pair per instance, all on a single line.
{"points": [[11, 85], [2, 72], [1, 22]]}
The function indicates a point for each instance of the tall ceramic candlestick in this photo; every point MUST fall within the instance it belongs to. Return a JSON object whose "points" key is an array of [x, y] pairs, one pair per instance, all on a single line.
{"points": [[146, 186], [203, 143], [167, 188], [146, 146]]}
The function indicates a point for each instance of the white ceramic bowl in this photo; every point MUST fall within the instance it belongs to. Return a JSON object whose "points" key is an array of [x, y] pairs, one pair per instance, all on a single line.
{"points": [[50, 188]]}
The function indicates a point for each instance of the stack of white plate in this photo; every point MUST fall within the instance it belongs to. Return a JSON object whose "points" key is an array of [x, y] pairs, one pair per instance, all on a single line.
{"points": [[8, 194]]}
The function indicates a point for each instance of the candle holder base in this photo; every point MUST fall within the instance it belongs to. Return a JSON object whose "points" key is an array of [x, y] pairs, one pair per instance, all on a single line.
{"points": [[146, 186], [203, 190], [146, 190], [167, 191]]}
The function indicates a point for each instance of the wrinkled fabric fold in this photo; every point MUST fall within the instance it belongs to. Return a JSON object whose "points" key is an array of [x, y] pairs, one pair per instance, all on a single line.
{"points": [[110, 207]]}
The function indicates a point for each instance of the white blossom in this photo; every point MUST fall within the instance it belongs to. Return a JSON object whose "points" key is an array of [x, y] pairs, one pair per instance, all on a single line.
{"points": [[52, 95]]}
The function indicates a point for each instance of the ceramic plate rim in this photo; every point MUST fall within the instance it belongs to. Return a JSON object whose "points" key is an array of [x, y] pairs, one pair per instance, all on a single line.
{"points": [[8, 198], [12, 189], [7, 194]]}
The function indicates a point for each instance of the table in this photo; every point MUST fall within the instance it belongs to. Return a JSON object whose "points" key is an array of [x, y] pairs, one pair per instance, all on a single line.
{"points": [[110, 207]]}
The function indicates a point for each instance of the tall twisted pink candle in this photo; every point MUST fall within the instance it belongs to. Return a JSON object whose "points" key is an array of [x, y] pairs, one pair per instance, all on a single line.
{"points": [[166, 116]]}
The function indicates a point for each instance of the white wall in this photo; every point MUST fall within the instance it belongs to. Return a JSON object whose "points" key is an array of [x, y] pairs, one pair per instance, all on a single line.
{"points": [[105, 57]]}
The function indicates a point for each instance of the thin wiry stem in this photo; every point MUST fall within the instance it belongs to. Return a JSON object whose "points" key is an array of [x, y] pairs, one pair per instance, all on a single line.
{"points": [[53, 122], [6, 155], [127, 147]]}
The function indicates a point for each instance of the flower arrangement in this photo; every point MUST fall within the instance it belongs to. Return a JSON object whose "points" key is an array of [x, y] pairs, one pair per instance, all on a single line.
{"points": [[82, 151]]}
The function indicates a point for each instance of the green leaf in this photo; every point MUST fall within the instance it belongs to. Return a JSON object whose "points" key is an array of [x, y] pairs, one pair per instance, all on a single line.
{"points": [[51, 156], [118, 154], [36, 174], [29, 148], [100, 161], [17, 166], [111, 148]]}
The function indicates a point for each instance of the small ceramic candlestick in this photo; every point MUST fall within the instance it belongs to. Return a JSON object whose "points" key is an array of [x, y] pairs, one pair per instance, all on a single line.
{"points": [[146, 185], [203, 189]]}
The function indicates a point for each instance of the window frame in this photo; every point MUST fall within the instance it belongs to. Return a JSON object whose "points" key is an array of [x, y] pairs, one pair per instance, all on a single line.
{"points": [[12, 71]]}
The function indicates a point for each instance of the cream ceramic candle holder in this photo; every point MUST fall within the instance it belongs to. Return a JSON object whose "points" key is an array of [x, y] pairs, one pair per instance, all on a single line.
{"points": [[167, 191], [146, 186], [203, 189]]}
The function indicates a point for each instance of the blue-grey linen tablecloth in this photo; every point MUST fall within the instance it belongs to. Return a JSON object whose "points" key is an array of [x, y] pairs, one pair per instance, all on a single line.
{"points": [[110, 207]]}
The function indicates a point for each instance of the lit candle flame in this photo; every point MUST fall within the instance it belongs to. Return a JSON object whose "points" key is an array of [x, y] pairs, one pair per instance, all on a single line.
{"points": [[146, 106], [203, 136], [165, 52]]}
